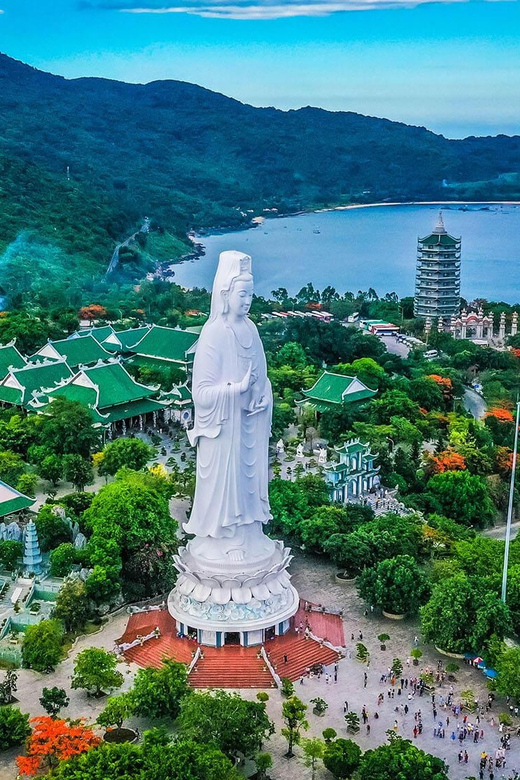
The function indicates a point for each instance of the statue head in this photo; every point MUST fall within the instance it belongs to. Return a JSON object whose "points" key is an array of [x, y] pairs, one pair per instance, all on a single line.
{"points": [[233, 284]]}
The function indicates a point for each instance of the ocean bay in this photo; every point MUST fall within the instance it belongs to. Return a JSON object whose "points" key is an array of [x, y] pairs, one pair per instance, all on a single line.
{"points": [[353, 249]]}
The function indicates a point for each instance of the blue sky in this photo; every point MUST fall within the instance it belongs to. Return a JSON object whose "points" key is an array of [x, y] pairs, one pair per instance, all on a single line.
{"points": [[451, 66]]}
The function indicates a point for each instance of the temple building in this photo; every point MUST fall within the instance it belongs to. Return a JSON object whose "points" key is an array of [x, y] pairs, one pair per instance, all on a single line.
{"points": [[115, 399], [437, 281], [354, 474], [330, 391], [166, 348], [77, 352], [22, 385], [10, 358], [12, 501]]}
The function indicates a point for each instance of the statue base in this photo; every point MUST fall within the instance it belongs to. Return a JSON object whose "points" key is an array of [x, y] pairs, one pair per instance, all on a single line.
{"points": [[242, 602]]}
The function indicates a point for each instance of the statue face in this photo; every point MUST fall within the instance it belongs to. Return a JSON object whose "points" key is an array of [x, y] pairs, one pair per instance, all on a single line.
{"points": [[240, 297]]}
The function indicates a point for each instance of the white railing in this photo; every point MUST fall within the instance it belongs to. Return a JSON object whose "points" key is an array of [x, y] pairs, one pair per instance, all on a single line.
{"points": [[326, 643], [140, 640], [198, 653], [274, 675], [134, 610]]}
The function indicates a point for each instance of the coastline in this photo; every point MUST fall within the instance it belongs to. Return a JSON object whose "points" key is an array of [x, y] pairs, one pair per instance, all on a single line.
{"points": [[461, 203]]}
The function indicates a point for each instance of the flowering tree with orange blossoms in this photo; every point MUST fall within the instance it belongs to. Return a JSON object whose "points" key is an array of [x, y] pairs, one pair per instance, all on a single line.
{"points": [[54, 740], [92, 312], [447, 460], [500, 414], [443, 381]]}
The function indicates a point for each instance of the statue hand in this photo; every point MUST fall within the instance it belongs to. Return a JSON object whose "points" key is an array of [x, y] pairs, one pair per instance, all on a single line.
{"points": [[244, 384]]}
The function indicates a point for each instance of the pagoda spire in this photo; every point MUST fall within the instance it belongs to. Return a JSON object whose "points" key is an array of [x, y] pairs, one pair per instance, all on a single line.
{"points": [[32, 556], [439, 227]]}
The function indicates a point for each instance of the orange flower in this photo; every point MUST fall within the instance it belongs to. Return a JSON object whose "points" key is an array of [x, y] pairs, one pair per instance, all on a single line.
{"points": [[54, 740], [447, 460], [500, 414]]}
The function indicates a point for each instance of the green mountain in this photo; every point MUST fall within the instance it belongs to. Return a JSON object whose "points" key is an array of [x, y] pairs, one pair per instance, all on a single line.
{"points": [[83, 161]]}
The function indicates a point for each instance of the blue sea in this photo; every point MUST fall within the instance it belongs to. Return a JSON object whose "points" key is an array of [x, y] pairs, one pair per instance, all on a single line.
{"points": [[375, 247]]}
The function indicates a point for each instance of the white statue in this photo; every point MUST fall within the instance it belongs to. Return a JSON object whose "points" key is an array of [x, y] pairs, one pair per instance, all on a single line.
{"points": [[299, 450], [280, 447], [233, 407], [322, 456]]}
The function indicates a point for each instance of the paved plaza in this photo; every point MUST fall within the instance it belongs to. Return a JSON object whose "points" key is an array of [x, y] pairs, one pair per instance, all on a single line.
{"points": [[315, 579]]}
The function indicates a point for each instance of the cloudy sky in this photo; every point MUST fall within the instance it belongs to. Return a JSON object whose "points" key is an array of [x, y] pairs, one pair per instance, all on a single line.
{"points": [[452, 65]]}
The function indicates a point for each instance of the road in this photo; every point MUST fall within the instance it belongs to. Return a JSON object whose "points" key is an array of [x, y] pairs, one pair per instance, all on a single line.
{"points": [[474, 403], [395, 347]]}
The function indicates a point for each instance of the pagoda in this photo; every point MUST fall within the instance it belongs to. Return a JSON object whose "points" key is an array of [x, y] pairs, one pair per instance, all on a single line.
{"points": [[437, 281], [354, 475], [32, 556]]}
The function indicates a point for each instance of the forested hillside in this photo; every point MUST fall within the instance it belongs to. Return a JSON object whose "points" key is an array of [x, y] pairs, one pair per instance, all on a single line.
{"points": [[83, 160]]}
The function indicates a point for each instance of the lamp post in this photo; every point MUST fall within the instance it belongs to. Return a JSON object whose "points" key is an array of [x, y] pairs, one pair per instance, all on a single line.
{"points": [[510, 505]]}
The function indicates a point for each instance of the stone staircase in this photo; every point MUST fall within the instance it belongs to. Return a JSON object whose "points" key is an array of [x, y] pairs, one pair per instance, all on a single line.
{"points": [[301, 654], [231, 667]]}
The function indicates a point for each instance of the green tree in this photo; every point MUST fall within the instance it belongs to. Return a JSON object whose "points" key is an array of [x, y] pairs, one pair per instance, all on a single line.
{"points": [[117, 710], [72, 605], [125, 453], [10, 553], [52, 529], [313, 751], [342, 757], [462, 615], [27, 484], [14, 727], [95, 671], [41, 649], [158, 693], [463, 497], [133, 533], [11, 467], [263, 762], [293, 716], [508, 668], [78, 470], [400, 759], [231, 723], [394, 403], [51, 469], [177, 760], [395, 584], [67, 429], [53, 700], [62, 559]]}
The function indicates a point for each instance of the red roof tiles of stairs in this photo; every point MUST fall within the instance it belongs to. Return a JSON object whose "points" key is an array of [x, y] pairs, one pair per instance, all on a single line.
{"points": [[231, 666]]}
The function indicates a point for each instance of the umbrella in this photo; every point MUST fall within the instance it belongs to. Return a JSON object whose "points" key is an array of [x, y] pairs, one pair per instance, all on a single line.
{"points": [[490, 673], [478, 660]]}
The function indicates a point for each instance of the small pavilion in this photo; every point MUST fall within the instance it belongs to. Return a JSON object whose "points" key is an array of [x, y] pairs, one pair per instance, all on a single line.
{"points": [[331, 391]]}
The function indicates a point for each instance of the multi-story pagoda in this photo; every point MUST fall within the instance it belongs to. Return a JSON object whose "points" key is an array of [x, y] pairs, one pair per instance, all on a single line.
{"points": [[437, 281], [355, 474]]}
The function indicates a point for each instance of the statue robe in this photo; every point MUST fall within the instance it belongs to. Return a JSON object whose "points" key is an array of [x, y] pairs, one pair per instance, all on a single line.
{"points": [[232, 447]]}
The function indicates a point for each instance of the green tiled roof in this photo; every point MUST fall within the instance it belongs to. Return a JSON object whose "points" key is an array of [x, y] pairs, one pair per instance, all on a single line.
{"points": [[83, 395], [9, 356], [128, 338], [11, 395], [80, 351], [165, 344], [330, 388], [34, 378], [442, 239], [131, 409], [115, 385], [12, 500], [100, 333]]}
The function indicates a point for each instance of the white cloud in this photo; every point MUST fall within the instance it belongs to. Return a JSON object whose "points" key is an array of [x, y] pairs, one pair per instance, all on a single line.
{"points": [[259, 9]]}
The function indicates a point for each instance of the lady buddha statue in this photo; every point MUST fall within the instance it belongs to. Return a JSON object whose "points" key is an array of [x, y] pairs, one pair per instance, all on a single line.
{"points": [[233, 408]]}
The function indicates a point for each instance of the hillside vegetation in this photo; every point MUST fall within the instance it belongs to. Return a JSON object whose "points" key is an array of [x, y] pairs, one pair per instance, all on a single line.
{"points": [[82, 161]]}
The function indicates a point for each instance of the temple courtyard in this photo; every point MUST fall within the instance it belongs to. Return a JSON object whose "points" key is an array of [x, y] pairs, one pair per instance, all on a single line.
{"points": [[315, 580]]}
